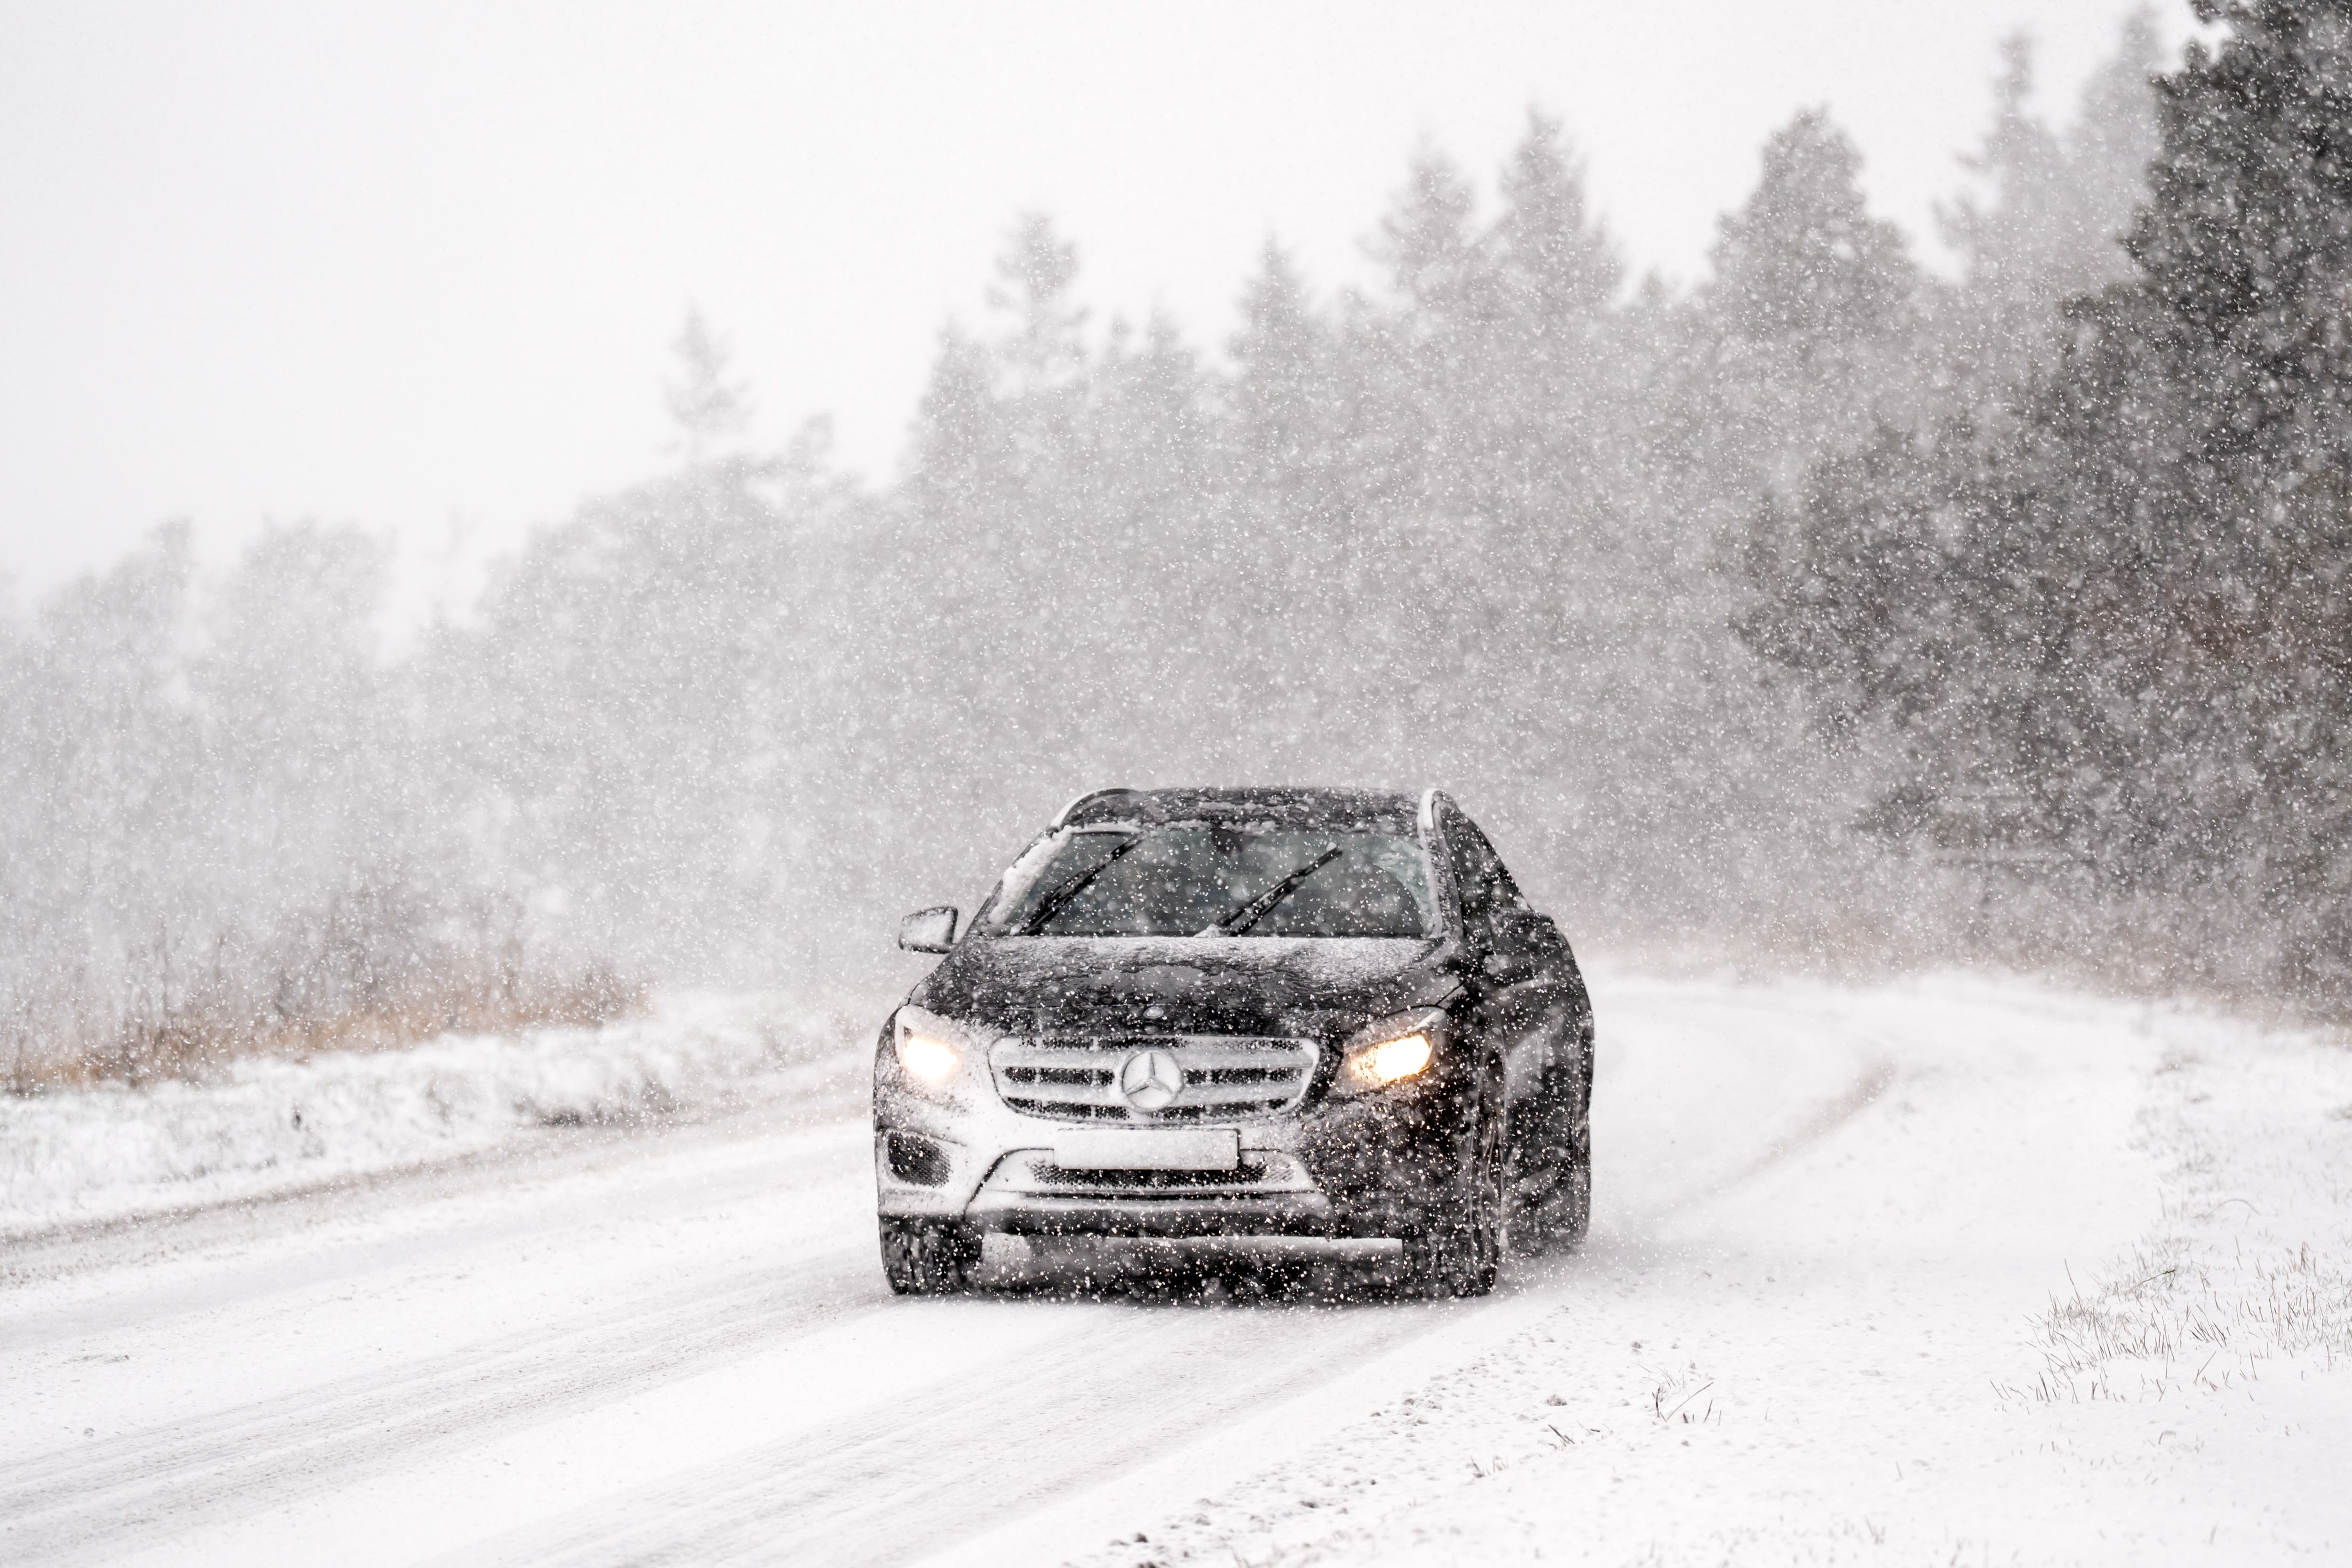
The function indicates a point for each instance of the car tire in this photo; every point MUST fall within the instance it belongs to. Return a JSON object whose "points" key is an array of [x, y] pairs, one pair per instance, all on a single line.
{"points": [[1570, 1207], [928, 1256], [1554, 1189], [1457, 1249]]}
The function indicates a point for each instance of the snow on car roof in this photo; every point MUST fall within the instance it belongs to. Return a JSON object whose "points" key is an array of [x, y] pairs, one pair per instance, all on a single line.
{"points": [[1381, 810]]}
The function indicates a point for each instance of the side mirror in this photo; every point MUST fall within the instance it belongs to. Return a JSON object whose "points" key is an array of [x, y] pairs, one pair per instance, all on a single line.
{"points": [[929, 930]]}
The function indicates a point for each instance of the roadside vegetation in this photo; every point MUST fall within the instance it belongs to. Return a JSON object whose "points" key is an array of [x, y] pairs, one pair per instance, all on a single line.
{"points": [[2245, 1276], [191, 1036]]}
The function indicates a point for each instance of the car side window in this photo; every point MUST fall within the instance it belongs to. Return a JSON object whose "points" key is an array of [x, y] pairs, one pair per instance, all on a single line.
{"points": [[1507, 894], [1486, 888]]}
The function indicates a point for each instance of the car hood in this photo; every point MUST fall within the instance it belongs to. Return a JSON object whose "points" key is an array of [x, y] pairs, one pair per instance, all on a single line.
{"points": [[1320, 986]]}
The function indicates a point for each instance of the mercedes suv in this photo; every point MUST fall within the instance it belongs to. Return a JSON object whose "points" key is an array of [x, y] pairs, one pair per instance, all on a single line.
{"points": [[1206, 1013]]}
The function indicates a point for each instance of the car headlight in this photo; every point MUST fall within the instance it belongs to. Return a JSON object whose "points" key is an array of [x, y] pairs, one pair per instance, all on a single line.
{"points": [[1389, 1051], [930, 1048], [929, 1060]]}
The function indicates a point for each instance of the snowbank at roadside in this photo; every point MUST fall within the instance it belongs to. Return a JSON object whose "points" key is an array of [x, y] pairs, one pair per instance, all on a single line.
{"points": [[266, 1125]]}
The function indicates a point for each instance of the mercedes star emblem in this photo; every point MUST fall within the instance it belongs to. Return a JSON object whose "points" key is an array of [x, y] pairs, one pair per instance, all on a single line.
{"points": [[1149, 1080]]}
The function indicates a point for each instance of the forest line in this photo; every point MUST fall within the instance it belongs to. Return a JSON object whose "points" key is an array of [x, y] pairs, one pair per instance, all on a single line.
{"points": [[1829, 610]]}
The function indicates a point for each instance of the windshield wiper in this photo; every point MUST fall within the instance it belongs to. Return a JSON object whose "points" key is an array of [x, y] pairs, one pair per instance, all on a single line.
{"points": [[1257, 909], [1059, 899]]}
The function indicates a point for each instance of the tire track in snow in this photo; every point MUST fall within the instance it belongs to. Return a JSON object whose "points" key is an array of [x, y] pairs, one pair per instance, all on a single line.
{"points": [[1873, 1074], [592, 1205], [112, 1497], [896, 1483], [325, 1435], [1875, 1080], [893, 1482]]}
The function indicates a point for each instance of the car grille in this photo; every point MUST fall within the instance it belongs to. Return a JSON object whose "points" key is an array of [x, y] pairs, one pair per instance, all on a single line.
{"points": [[1226, 1077]]}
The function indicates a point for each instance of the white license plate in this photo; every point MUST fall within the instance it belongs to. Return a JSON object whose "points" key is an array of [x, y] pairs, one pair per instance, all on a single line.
{"points": [[1177, 1149]]}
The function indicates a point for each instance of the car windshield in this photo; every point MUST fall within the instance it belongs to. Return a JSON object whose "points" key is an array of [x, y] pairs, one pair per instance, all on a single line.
{"points": [[1191, 879]]}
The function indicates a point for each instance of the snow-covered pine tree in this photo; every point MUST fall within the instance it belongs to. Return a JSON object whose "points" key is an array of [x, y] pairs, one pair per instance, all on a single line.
{"points": [[1280, 396], [1043, 346], [1559, 269], [1803, 263], [2141, 626], [1426, 243], [708, 407], [2242, 513], [2052, 221], [1557, 273], [2108, 147], [1811, 312]]}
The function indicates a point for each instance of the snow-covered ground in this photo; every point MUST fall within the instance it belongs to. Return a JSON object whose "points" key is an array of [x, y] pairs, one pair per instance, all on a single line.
{"points": [[2071, 1286], [263, 1126], [1948, 1270]]}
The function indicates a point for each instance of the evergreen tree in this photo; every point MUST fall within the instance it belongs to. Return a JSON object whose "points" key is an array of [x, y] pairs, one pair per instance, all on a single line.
{"points": [[1808, 324], [1044, 347], [2052, 222], [1148, 427], [2111, 142], [2245, 248], [709, 407], [1281, 358], [958, 434], [1557, 273], [1559, 266], [2141, 616], [1804, 263], [2017, 246], [1427, 244], [2244, 323], [1418, 444]]}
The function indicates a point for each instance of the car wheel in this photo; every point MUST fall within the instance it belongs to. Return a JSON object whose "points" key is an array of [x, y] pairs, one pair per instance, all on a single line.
{"points": [[1572, 1206], [928, 1256], [1458, 1249], [1553, 1179]]}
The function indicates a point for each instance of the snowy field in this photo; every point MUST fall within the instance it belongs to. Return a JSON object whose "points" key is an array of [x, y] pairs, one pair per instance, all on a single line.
{"points": [[1946, 1271]]}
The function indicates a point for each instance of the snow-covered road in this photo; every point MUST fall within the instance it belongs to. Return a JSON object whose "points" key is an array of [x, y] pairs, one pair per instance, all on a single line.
{"points": [[1803, 1328]]}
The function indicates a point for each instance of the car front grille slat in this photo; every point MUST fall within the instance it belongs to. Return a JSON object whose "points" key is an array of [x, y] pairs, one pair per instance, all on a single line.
{"points": [[1072, 1112], [1259, 1174], [1057, 1075], [1223, 1076], [1238, 1075]]}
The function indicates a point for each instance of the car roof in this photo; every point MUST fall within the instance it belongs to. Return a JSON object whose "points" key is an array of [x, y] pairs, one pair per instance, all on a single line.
{"points": [[1304, 807]]}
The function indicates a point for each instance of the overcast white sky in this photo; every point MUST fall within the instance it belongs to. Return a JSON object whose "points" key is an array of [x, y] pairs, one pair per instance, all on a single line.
{"points": [[419, 264]]}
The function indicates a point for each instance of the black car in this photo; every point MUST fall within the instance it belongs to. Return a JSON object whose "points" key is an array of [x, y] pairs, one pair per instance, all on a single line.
{"points": [[1190, 1013]]}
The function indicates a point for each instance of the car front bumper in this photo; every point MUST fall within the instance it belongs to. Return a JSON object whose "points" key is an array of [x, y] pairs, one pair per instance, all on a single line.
{"points": [[1345, 1170]]}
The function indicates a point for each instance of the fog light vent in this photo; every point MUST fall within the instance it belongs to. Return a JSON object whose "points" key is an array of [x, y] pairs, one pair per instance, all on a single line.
{"points": [[917, 1160]]}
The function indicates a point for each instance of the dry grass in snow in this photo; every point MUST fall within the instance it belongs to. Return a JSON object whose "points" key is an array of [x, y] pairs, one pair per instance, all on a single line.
{"points": [[2251, 1267], [192, 1039]]}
